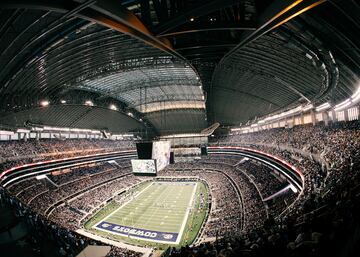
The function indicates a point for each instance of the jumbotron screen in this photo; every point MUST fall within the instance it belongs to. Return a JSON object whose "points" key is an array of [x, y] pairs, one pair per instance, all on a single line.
{"points": [[143, 166], [161, 153]]}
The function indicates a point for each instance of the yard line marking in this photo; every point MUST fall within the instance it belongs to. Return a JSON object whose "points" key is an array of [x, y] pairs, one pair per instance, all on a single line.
{"points": [[155, 211], [186, 215], [122, 206], [153, 214]]}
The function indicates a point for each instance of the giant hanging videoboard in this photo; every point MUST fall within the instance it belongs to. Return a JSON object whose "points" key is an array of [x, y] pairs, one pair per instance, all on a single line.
{"points": [[143, 167], [161, 153], [144, 150], [151, 154]]}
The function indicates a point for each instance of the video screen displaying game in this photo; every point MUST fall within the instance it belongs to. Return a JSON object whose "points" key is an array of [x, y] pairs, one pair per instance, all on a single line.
{"points": [[161, 153], [143, 166]]}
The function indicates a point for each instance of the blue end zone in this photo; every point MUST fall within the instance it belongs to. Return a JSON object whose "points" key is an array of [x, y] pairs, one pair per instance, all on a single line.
{"points": [[138, 233]]}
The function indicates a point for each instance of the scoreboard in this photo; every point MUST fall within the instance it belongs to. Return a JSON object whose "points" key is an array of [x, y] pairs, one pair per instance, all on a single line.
{"points": [[152, 157], [143, 167], [161, 153]]}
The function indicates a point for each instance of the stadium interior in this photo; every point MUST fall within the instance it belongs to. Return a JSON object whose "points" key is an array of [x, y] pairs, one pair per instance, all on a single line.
{"points": [[176, 128]]}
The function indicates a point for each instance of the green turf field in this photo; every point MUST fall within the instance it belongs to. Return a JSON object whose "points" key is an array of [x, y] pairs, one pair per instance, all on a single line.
{"points": [[158, 213]]}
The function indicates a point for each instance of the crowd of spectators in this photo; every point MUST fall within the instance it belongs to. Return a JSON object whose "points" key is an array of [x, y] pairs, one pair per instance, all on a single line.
{"points": [[98, 183], [117, 251], [86, 204], [78, 186], [67, 242], [94, 185], [245, 225], [224, 217], [263, 176], [323, 219], [18, 152], [252, 187]]}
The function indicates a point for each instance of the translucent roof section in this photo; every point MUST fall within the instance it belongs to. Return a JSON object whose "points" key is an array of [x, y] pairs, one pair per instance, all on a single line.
{"points": [[148, 89], [160, 106]]}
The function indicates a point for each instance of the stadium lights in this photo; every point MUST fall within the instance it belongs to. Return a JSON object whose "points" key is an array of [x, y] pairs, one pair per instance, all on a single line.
{"points": [[5, 132], [37, 129], [307, 107], [23, 131], [123, 135], [44, 103], [342, 105], [183, 135], [89, 103], [78, 130], [282, 115], [323, 107], [55, 128], [191, 19], [352, 100], [356, 96], [113, 107]]}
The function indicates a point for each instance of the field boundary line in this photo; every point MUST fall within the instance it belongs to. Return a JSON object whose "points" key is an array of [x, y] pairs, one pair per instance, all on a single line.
{"points": [[121, 206], [156, 209], [186, 216]]}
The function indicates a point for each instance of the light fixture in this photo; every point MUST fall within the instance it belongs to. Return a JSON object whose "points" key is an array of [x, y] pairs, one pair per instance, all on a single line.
{"points": [[63, 101], [191, 19], [5, 132], [20, 130], [113, 107], [89, 103], [342, 105], [322, 107], [356, 96], [44, 103], [307, 107]]}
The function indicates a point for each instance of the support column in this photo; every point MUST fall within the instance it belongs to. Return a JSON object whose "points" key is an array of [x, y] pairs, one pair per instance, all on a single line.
{"points": [[313, 117], [333, 114], [301, 119], [346, 115], [326, 118]]}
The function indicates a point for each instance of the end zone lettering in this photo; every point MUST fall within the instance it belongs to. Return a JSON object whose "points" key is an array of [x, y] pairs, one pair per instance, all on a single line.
{"points": [[136, 232]]}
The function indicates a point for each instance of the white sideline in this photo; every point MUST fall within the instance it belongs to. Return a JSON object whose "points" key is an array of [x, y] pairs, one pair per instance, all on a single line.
{"points": [[112, 213], [186, 216]]}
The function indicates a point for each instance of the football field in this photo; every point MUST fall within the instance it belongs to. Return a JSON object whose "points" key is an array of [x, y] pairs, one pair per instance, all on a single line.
{"points": [[158, 213]]}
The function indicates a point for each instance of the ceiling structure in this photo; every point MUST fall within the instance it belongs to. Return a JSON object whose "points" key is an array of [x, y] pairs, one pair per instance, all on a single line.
{"points": [[74, 116], [174, 66]]}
